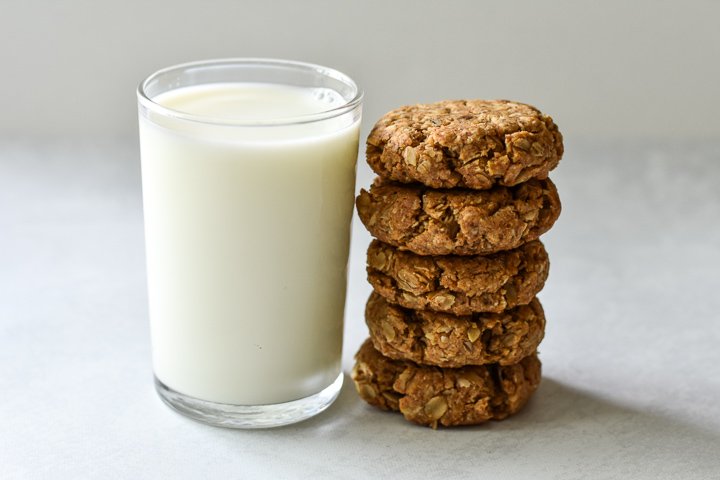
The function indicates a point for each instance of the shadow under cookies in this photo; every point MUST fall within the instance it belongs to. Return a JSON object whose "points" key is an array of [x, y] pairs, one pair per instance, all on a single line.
{"points": [[578, 428], [564, 432]]}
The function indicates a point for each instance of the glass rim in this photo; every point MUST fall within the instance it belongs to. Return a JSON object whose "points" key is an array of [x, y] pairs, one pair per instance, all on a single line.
{"points": [[350, 105]]}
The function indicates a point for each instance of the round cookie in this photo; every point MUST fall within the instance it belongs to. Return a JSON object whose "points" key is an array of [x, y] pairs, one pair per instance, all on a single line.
{"points": [[435, 396], [445, 340], [454, 284], [458, 221], [464, 143]]}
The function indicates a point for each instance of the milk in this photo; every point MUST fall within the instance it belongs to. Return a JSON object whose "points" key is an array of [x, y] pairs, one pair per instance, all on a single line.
{"points": [[247, 238]]}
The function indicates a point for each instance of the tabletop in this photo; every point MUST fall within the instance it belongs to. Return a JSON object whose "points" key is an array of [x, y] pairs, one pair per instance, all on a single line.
{"points": [[631, 364]]}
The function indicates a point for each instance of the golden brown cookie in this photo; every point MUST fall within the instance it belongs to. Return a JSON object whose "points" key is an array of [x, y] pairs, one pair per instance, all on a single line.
{"points": [[446, 340], [445, 396], [464, 143], [458, 221], [458, 284]]}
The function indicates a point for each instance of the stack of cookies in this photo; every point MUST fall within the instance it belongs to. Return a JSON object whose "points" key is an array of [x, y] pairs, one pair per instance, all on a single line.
{"points": [[460, 202]]}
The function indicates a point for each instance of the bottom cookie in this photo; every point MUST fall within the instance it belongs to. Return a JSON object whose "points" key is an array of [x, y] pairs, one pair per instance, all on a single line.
{"points": [[435, 396]]}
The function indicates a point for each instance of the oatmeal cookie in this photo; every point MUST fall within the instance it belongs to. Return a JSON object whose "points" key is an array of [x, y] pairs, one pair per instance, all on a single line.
{"points": [[458, 284], [464, 143], [458, 221], [435, 396], [446, 340]]}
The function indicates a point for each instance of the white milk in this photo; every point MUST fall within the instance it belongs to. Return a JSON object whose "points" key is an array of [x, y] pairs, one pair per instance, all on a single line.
{"points": [[247, 237]]}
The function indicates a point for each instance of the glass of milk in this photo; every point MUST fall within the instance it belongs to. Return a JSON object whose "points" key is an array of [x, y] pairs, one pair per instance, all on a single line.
{"points": [[248, 174]]}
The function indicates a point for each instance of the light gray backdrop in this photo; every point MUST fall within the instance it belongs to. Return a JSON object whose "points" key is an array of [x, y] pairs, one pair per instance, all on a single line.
{"points": [[601, 69], [630, 357]]}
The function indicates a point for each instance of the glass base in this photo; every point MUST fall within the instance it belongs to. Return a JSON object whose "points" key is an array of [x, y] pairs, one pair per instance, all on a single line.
{"points": [[249, 416]]}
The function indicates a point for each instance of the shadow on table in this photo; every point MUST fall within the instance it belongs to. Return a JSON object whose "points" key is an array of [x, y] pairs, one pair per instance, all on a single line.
{"points": [[555, 404], [562, 429]]}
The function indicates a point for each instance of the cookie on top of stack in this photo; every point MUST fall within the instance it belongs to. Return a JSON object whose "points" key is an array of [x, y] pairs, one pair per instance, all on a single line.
{"points": [[461, 199]]}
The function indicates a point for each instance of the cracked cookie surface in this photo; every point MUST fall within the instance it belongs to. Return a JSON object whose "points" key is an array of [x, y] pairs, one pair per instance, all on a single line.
{"points": [[458, 284], [435, 396], [464, 143], [446, 340], [458, 221]]}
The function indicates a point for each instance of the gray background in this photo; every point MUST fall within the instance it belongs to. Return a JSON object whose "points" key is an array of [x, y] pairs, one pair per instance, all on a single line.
{"points": [[631, 369], [602, 69]]}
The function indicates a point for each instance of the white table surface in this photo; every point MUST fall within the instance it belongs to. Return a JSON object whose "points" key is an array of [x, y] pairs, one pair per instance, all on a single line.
{"points": [[631, 358]]}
